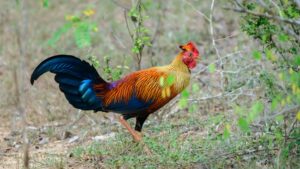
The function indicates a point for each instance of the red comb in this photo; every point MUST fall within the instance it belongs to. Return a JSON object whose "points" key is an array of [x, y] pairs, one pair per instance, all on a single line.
{"points": [[193, 47]]}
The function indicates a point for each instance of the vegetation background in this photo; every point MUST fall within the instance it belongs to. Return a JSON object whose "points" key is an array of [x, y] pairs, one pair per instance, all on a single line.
{"points": [[242, 109]]}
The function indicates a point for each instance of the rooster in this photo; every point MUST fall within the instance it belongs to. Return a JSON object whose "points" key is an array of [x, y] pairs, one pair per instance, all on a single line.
{"points": [[137, 95]]}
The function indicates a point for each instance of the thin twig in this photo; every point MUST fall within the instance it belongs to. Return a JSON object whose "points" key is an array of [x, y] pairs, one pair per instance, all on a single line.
{"points": [[241, 69], [222, 95], [80, 116], [287, 110], [241, 10], [22, 43], [199, 12], [216, 62], [227, 37], [127, 26], [236, 154], [120, 4], [214, 42], [278, 8], [138, 33], [292, 126]]}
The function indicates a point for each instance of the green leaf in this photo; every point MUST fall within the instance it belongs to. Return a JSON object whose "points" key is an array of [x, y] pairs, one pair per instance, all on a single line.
{"points": [[255, 110], [297, 60], [18, 2], [82, 35], [170, 80], [192, 108], [135, 49], [270, 55], [185, 94], [95, 61], [195, 88], [295, 77], [243, 124], [45, 3], [133, 13], [251, 6], [283, 37], [211, 68], [226, 133], [116, 74], [183, 102], [274, 104], [57, 34], [73, 18], [239, 110], [298, 116], [279, 118], [256, 55], [281, 13]]}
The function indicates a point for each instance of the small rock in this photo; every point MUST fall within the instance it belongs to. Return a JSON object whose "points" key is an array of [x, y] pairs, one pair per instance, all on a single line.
{"points": [[17, 146], [7, 138], [31, 128], [73, 139], [44, 140], [104, 137], [71, 155], [66, 134], [7, 150]]}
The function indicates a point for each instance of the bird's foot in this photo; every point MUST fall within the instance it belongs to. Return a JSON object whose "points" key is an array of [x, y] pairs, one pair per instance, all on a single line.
{"points": [[139, 140], [139, 133], [137, 136]]}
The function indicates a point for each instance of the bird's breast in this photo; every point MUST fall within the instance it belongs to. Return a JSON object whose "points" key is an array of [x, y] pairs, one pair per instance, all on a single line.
{"points": [[182, 80]]}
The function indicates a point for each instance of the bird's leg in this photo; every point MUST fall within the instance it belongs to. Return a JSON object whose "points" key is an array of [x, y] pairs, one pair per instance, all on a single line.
{"points": [[136, 137], [138, 128], [139, 123], [136, 134]]}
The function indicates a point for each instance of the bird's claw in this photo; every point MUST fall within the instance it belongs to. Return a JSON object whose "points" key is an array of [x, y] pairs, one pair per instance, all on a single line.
{"points": [[137, 136]]}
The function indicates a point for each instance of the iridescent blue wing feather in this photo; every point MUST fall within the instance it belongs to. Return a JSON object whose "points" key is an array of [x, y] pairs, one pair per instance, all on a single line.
{"points": [[133, 105]]}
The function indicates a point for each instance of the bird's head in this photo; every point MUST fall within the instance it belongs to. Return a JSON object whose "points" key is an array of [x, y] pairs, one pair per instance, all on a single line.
{"points": [[190, 54]]}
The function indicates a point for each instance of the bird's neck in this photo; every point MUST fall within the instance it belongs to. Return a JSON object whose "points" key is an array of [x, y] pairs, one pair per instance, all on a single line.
{"points": [[181, 72], [178, 64]]}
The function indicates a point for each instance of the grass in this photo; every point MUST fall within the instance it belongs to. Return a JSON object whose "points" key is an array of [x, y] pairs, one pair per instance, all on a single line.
{"points": [[51, 161], [177, 144], [183, 141]]}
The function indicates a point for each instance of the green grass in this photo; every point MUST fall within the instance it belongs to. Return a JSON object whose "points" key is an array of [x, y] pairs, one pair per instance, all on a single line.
{"points": [[178, 144], [51, 161]]}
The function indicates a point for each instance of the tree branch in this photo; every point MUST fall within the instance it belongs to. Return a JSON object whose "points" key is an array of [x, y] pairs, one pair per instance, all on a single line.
{"points": [[277, 18]]}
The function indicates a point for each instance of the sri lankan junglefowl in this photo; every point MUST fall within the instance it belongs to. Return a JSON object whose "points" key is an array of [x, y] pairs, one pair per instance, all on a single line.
{"points": [[137, 95]]}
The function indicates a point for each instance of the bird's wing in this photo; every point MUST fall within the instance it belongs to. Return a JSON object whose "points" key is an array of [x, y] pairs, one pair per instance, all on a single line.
{"points": [[138, 92]]}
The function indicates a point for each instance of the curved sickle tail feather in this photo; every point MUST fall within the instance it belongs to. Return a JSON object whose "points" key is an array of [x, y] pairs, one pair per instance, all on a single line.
{"points": [[76, 79]]}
